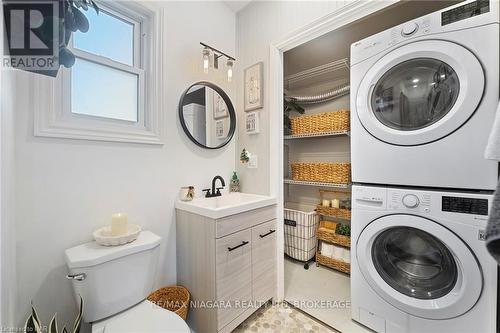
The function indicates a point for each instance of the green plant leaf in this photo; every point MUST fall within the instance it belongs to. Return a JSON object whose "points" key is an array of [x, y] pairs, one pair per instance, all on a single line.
{"points": [[69, 20], [83, 3], [31, 325], [64, 330], [35, 315], [95, 7], [66, 57], [53, 325], [78, 321], [81, 21]]}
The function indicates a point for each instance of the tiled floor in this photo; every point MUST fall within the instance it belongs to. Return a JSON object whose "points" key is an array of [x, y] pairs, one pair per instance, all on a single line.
{"points": [[322, 293], [281, 318]]}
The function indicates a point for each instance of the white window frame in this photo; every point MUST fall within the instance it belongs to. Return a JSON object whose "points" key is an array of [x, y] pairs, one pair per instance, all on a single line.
{"points": [[52, 97]]}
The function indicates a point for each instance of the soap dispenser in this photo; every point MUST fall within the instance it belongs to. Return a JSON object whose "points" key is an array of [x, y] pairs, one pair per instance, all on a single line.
{"points": [[235, 183]]}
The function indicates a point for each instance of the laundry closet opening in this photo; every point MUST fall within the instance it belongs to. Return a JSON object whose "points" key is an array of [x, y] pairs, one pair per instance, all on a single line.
{"points": [[316, 173]]}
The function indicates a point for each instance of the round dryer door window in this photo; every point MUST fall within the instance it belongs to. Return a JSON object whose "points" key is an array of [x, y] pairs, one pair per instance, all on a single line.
{"points": [[420, 92], [415, 94], [419, 266]]}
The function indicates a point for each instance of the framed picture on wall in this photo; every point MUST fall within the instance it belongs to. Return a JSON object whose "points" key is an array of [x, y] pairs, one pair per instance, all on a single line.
{"points": [[220, 108], [252, 123], [254, 92], [219, 129]]}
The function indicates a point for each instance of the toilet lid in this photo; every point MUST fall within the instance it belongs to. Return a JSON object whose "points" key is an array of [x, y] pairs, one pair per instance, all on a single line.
{"points": [[145, 317]]}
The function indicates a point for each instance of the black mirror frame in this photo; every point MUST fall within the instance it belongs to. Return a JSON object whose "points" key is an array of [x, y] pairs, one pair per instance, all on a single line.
{"points": [[230, 109]]}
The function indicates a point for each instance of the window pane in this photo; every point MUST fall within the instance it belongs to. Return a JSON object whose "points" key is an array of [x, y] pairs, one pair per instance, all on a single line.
{"points": [[102, 91], [108, 36]]}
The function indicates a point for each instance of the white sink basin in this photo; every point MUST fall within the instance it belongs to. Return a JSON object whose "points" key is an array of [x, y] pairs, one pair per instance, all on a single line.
{"points": [[225, 205]]}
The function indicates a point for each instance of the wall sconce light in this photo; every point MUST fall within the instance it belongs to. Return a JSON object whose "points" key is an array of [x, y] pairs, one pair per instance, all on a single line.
{"points": [[216, 55], [229, 65], [206, 59]]}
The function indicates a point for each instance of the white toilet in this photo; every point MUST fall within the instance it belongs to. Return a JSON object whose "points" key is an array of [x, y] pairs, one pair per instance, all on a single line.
{"points": [[114, 283]]}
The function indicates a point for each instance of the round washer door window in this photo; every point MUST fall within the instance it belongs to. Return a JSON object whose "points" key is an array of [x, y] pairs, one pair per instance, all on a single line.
{"points": [[419, 92], [419, 266], [414, 262], [415, 94]]}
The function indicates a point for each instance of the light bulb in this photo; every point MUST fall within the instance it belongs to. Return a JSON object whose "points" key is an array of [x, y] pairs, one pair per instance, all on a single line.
{"points": [[206, 60], [229, 70]]}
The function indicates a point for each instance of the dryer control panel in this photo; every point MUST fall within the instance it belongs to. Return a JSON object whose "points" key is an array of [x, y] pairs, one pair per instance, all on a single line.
{"points": [[408, 200]]}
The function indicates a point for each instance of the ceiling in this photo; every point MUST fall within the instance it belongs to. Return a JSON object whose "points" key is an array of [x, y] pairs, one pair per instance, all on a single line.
{"points": [[237, 5]]}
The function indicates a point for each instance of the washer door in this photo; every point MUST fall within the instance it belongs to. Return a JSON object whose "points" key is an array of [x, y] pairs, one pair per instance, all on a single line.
{"points": [[419, 266], [420, 92]]}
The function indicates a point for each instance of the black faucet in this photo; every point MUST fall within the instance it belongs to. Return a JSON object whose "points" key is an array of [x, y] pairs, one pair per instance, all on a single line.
{"points": [[214, 193]]}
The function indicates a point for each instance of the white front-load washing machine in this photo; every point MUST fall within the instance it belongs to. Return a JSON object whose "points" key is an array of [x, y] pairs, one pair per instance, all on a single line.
{"points": [[423, 100], [419, 262]]}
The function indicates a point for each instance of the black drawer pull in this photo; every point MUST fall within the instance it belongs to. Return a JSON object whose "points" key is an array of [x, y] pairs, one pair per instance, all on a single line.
{"points": [[270, 232], [238, 246]]}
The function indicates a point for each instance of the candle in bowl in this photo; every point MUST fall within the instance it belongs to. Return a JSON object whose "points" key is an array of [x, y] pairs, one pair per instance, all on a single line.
{"points": [[119, 224]]}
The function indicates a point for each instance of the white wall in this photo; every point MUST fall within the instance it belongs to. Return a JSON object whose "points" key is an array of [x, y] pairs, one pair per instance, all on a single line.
{"points": [[258, 25], [7, 231], [65, 189]]}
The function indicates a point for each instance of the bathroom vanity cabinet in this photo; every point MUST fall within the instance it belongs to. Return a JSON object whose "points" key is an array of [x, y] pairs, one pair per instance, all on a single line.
{"points": [[227, 264]]}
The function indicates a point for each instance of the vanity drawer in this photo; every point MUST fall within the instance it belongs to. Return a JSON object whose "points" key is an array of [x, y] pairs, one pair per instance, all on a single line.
{"points": [[233, 223], [233, 274], [264, 261]]}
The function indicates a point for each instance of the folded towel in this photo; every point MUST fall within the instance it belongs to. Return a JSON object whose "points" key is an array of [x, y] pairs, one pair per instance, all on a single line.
{"points": [[326, 249], [338, 252], [492, 151], [493, 228]]}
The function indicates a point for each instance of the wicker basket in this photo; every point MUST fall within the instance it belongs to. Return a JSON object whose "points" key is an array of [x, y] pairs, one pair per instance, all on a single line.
{"points": [[321, 123], [333, 212], [329, 235], [332, 263], [172, 298], [338, 173]]}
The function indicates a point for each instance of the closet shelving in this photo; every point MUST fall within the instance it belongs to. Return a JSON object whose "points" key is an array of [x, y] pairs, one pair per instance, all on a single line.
{"points": [[335, 70], [317, 184], [317, 135], [311, 73], [329, 235]]}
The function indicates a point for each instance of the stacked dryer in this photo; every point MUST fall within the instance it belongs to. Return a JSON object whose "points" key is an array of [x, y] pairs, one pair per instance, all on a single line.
{"points": [[423, 99]]}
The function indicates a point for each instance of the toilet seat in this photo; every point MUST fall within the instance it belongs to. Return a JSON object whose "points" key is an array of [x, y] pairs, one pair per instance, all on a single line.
{"points": [[144, 317]]}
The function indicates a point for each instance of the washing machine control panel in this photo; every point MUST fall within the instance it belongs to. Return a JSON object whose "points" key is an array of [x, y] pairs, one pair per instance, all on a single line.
{"points": [[411, 201], [409, 29]]}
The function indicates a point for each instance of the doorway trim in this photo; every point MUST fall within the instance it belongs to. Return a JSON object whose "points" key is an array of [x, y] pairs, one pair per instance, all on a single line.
{"points": [[346, 14]]}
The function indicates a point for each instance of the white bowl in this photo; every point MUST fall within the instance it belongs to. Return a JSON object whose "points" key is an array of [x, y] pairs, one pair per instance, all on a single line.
{"points": [[103, 236]]}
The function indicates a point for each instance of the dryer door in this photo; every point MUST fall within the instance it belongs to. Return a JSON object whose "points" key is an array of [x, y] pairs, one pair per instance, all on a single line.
{"points": [[419, 266], [420, 92]]}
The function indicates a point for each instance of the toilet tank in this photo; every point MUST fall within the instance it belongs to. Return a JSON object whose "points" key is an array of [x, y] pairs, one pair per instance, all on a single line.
{"points": [[116, 277]]}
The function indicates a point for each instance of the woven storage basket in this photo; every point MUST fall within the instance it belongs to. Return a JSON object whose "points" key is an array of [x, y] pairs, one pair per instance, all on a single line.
{"points": [[338, 173], [333, 212], [172, 298], [329, 235], [300, 232], [321, 123]]}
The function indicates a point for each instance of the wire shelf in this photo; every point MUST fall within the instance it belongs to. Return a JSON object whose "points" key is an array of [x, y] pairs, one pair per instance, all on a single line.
{"points": [[317, 135], [331, 185]]}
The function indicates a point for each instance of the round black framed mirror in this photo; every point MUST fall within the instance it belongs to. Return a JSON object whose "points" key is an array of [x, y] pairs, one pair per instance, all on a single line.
{"points": [[207, 115]]}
